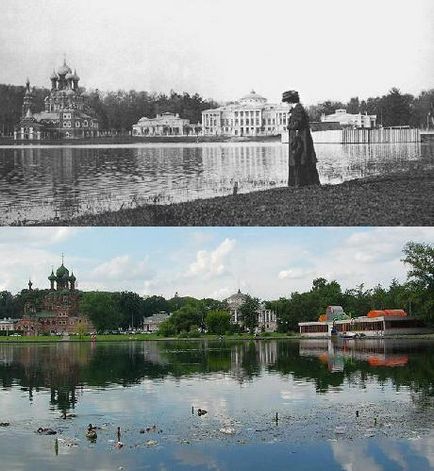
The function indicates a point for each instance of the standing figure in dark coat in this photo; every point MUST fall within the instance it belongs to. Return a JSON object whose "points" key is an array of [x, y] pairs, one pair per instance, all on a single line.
{"points": [[302, 157]]}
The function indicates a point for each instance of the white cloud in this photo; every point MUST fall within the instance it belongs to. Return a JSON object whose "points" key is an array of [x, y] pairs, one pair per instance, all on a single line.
{"points": [[294, 274], [212, 263], [122, 268], [37, 236]]}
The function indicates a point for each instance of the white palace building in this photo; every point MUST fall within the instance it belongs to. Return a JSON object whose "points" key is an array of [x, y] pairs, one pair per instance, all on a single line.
{"points": [[251, 115]]}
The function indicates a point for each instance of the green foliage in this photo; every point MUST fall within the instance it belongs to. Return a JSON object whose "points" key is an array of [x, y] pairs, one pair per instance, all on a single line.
{"points": [[248, 312], [218, 322], [102, 309], [392, 109], [117, 110], [420, 258]]}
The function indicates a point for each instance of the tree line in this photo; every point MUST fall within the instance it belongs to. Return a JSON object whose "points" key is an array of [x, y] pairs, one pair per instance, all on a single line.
{"points": [[110, 311], [118, 110], [393, 109]]}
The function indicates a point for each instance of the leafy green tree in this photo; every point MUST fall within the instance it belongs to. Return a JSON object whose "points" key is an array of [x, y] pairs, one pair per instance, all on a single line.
{"points": [[130, 306], [249, 313], [218, 322], [102, 309], [420, 257]]}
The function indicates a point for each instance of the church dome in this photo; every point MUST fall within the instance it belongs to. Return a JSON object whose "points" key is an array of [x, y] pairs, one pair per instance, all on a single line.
{"points": [[75, 76], [52, 277], [64, 69], [72, 277], [62, 272], [53, 75]]}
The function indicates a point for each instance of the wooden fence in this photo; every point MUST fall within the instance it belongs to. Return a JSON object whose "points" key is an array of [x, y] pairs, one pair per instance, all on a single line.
{"points": [[363, 136], [379, 136]]}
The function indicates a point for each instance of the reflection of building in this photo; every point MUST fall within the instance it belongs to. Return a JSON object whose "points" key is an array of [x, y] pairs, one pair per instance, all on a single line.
{"points": [[376, 323], [152, 323], [250, 116], [165, 124], [373, 351], [66, 114], [58, 311], [266, 318], [358, 120]]}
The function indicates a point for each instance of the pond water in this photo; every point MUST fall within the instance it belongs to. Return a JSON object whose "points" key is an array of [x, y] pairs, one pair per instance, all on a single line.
{"points": [[42, 182], [354, 405]]}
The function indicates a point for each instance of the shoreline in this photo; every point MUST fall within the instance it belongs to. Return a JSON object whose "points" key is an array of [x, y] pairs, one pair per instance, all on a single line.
{"points": [[399, 199], [119, 140], [225, 338]]}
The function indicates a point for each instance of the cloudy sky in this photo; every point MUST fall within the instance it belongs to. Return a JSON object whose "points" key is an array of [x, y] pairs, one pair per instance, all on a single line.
{"points": [[206, 262], [326, 49]]}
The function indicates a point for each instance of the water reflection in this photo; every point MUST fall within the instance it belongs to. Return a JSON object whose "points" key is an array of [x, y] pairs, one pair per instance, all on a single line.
{"points": [[62, 368], [39, 183], [241, 385]]}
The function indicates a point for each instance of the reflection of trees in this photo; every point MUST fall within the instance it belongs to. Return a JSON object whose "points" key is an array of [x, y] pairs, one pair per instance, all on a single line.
{"points": [[63, 368], [416, 372]]}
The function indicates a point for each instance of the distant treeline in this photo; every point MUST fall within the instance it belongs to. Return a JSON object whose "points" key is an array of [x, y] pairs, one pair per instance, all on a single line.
{"points": [[113, 310], [118, 111], [393, 109]]}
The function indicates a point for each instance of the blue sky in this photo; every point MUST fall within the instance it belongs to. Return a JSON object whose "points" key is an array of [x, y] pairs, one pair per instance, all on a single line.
{"points": [[332, 49], [206, 262]]}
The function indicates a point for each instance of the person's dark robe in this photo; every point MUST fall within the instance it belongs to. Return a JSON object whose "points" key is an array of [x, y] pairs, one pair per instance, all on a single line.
{"points": [[302, 157]]}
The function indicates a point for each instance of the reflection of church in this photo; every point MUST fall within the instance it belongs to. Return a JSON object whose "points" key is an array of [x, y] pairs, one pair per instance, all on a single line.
{"points": [[66, 113], [58, 311]]}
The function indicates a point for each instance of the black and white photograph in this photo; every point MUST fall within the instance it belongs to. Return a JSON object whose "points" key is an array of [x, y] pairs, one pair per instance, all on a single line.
{"points": [[217, 235], [199, 112]]}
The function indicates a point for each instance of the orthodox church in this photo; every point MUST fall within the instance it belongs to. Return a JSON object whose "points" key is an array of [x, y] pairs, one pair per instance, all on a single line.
{"points": [[66, 115], [57, 312]]}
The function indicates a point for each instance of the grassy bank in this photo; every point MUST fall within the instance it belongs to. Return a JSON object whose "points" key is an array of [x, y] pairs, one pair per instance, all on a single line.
{"points": [[399, 199]]}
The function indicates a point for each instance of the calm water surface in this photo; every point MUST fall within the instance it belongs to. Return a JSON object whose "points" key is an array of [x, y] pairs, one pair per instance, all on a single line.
{"points": [[315, 386], [39, 183]]}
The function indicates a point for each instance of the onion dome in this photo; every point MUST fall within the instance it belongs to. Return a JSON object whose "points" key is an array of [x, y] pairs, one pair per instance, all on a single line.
{"points": [[64, 69], [62, 272], [52, 277], [53, 75], [72, 277], [74, 76]]}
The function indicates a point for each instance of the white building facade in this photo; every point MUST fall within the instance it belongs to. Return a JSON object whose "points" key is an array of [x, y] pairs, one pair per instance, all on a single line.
{"points": [[165, 124], [251, 115], [358, 120], [266, 318], [152, 323]]}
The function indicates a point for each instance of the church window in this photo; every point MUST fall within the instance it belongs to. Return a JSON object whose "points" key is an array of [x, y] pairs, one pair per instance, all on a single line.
{"points": [[85, 123], [77, 124]]}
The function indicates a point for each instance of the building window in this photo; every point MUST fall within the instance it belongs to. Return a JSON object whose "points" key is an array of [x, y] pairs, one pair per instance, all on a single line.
{"points": [[77, 124], [85, 123]]}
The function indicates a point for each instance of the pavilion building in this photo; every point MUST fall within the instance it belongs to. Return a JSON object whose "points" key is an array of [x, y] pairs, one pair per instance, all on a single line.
{"points": [[266, 318]]}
